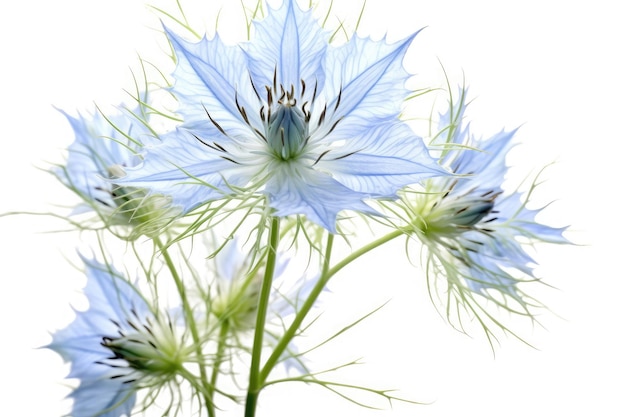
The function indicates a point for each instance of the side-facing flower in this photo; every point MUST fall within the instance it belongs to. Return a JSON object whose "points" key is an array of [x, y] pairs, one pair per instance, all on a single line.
{"points": [[474, 231], [313, 127], [235, 295], [118, 346], [104, 146]]}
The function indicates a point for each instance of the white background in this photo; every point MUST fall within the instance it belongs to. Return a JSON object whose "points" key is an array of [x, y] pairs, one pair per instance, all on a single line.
{"points": [[555, 67]]}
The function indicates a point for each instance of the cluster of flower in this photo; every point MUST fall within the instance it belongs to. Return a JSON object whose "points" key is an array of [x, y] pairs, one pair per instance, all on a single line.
{"points": [[293, 132]]}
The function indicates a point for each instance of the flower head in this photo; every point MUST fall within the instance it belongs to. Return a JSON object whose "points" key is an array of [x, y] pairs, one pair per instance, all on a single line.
{"points": [[313, 127], [474, 231], [117, 346], [104, 146], [236, 296]]}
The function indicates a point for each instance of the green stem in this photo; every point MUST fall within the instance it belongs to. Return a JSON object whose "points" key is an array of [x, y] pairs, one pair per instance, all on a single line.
{"points": [[219, 354], [256, 383], [327, 274], [191, 322]]}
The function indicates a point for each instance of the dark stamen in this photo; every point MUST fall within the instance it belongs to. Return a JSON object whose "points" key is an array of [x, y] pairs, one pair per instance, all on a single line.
{"points": [[334, 125], [274, 81], [320, 157], [215, 148], [253, 87], [231, 160], [338, 99], [214, 122], [345, 156], [322, 116], [314, 93]]}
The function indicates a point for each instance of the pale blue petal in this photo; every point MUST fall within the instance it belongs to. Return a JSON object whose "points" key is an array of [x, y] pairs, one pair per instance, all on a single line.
{"points": [[187, 170], [209, 76], [370, 77], [290, 42], [524, 220], [90, 399], [487, 165], [381, 160], [301, 190], [229, 261], [111, 298]]}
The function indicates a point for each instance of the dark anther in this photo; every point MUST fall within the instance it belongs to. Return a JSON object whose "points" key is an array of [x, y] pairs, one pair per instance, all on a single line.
{"points": [[346, 155], [205, 144], [104, 203], [335, 125], [314, 93], [260, 134], [320, 157], [253, 87], [270, 97], [338, 100], [220, 147], [214, 122], [241, 109], [262, 113], [131, 324], [231, 160], [148, 330], [274, 81], [322, 116]]}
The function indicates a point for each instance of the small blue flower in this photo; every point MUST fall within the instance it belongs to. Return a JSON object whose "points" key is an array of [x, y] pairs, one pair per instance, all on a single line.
{"points": [[117, 346], [312, 126], [104, 146], [236, 294], [474, 230]]}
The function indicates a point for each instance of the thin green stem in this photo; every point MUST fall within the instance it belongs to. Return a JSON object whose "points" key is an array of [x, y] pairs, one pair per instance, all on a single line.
{"points": [[256, 383], [327, 274], [219, 355], [329, 251], [191, 322]]}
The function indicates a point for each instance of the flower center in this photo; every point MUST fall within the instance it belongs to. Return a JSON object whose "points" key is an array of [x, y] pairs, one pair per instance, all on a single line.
{"points": [[287, 126], [453, 214], [146, 350]]}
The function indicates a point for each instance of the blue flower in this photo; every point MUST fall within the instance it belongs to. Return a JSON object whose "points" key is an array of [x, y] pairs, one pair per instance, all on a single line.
{"points": [[117, 346], [104, 146], [474, 231], [101, 148], [235, 296], [313, 127]]}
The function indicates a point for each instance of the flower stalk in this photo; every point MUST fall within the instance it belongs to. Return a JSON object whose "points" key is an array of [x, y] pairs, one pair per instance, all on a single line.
{"points": [[256, 383], [193, 328]]}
